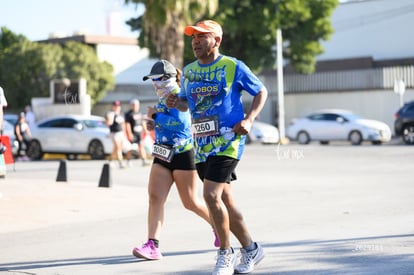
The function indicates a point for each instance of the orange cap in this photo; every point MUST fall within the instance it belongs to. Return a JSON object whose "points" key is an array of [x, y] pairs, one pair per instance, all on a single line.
{"points": [[206, 26]]}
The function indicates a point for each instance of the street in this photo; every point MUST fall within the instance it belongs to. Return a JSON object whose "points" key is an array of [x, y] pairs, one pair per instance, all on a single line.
{"points": [[335, 209]]}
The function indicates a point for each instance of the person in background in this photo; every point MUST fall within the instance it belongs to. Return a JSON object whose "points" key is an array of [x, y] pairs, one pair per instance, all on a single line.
{"points": [[30, 116], [116, 123], [211, 89], [23, 136], [173, 153], [134, 128]]}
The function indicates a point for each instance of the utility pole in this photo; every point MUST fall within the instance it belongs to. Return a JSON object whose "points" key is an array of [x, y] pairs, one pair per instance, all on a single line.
{"points": [[280, 87]]}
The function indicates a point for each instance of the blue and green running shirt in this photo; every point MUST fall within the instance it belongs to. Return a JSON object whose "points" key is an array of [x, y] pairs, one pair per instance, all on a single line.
{"points": [[173, 128], [214, 96]]}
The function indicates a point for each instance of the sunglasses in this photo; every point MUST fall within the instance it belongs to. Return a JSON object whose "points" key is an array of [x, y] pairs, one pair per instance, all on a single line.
{"points": [[162, 78]]}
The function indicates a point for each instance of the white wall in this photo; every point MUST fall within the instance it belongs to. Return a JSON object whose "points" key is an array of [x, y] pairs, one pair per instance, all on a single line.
{"points": [[121, 56], [382, 29]]}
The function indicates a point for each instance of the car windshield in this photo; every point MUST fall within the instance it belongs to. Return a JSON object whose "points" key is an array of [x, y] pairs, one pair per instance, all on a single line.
{"points": [[95, 123]]}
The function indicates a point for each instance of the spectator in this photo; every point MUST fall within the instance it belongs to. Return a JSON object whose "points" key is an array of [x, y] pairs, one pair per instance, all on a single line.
{"points": [[23, 135], [30, 116], [116, 123], [134, 128]]}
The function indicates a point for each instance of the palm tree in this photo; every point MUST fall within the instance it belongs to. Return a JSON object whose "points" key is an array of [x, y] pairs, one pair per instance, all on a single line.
{"points": [[162, 25]]}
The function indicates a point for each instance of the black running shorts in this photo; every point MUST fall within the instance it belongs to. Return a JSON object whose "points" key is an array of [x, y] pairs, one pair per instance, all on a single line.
{"points": [[218, 169], [181, 161]]}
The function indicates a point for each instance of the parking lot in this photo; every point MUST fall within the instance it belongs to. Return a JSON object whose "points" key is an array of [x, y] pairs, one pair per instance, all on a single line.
{"points": [[336, 209]]}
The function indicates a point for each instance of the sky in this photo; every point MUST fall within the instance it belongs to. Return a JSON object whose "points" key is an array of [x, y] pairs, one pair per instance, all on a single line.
{"points": [[37, 19]]}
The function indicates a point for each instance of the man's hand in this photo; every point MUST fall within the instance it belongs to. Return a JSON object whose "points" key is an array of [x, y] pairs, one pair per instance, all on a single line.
{"points": [[171, 100], [243, 127]]}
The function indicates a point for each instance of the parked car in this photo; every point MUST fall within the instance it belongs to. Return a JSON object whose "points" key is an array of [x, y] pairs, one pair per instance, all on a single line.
{"points": [[404, 123], [71, 135], [329, 125], [11, 118], [8, 130], [263, 133]]}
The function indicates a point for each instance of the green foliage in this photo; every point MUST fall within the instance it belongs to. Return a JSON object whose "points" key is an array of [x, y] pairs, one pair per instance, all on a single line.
{"points": [[26, 68], [81, 62], [162, 25], [304, 24]]}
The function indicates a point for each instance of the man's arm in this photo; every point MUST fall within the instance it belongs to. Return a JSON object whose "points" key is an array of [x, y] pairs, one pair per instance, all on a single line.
{"points": [[243, 127]]}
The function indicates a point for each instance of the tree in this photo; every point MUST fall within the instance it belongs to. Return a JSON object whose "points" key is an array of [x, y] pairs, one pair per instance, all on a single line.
{"points": [[250, 29], [162, 25], [26, 68], [81, 61]]}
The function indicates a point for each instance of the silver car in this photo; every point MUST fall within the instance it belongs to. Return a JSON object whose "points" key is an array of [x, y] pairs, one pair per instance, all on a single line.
{"points": [[71, 135], [262, 132], [331, 125]]}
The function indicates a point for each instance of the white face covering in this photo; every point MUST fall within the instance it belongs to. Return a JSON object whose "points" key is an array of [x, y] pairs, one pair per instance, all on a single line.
{"points": [[164, 87]]}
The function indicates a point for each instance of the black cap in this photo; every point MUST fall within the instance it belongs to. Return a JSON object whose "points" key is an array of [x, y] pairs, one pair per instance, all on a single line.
{"points": [[160, 68]]}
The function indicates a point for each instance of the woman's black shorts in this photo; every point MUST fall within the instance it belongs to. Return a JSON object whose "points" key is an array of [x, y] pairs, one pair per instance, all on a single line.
{"points": [[181, 161]]}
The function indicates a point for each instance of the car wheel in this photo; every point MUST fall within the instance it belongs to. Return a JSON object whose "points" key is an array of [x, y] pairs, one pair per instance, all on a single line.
{"points": [[408, 134], [355, 138], [96, 150], [34, 151], [303, 137]]}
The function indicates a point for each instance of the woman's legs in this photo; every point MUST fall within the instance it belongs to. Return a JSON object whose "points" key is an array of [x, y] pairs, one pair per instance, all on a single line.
{"points": [[159, 186], [186, 181]]}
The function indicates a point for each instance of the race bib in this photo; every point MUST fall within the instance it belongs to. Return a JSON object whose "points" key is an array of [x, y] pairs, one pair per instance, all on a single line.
{"points": [[206, 126], [163, 152]]}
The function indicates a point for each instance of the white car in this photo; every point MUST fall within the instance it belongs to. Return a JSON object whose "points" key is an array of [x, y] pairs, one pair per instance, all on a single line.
{"points": [[71, 135], [263, 133], [334, 124], [8, 130]]}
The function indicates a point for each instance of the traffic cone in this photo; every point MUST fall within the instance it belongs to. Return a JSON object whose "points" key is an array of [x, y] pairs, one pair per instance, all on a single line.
{"points": [[61, 176], [105, 180]]}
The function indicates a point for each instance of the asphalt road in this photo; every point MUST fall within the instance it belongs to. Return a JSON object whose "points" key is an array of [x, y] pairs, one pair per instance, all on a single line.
{"points": [[336, 209]]}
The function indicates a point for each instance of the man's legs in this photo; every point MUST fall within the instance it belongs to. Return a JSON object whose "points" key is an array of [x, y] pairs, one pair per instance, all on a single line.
{"points": [[218, 211], [237, 225], [226, 257], [226, 217]]}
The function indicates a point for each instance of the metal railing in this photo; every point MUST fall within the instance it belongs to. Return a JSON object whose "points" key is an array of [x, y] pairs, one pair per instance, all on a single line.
{"points": [[366, 79]]}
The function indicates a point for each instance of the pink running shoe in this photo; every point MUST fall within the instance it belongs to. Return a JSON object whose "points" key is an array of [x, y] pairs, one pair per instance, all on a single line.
{"points": [[216, 240], [147, 251]]}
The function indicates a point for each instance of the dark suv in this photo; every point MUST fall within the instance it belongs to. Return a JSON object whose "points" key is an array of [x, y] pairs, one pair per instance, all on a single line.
{"points": [[404, 123]]}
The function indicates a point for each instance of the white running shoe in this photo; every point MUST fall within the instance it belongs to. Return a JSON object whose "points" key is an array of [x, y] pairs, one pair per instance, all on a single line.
{"points": [[249, 259], [225, 262]]}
